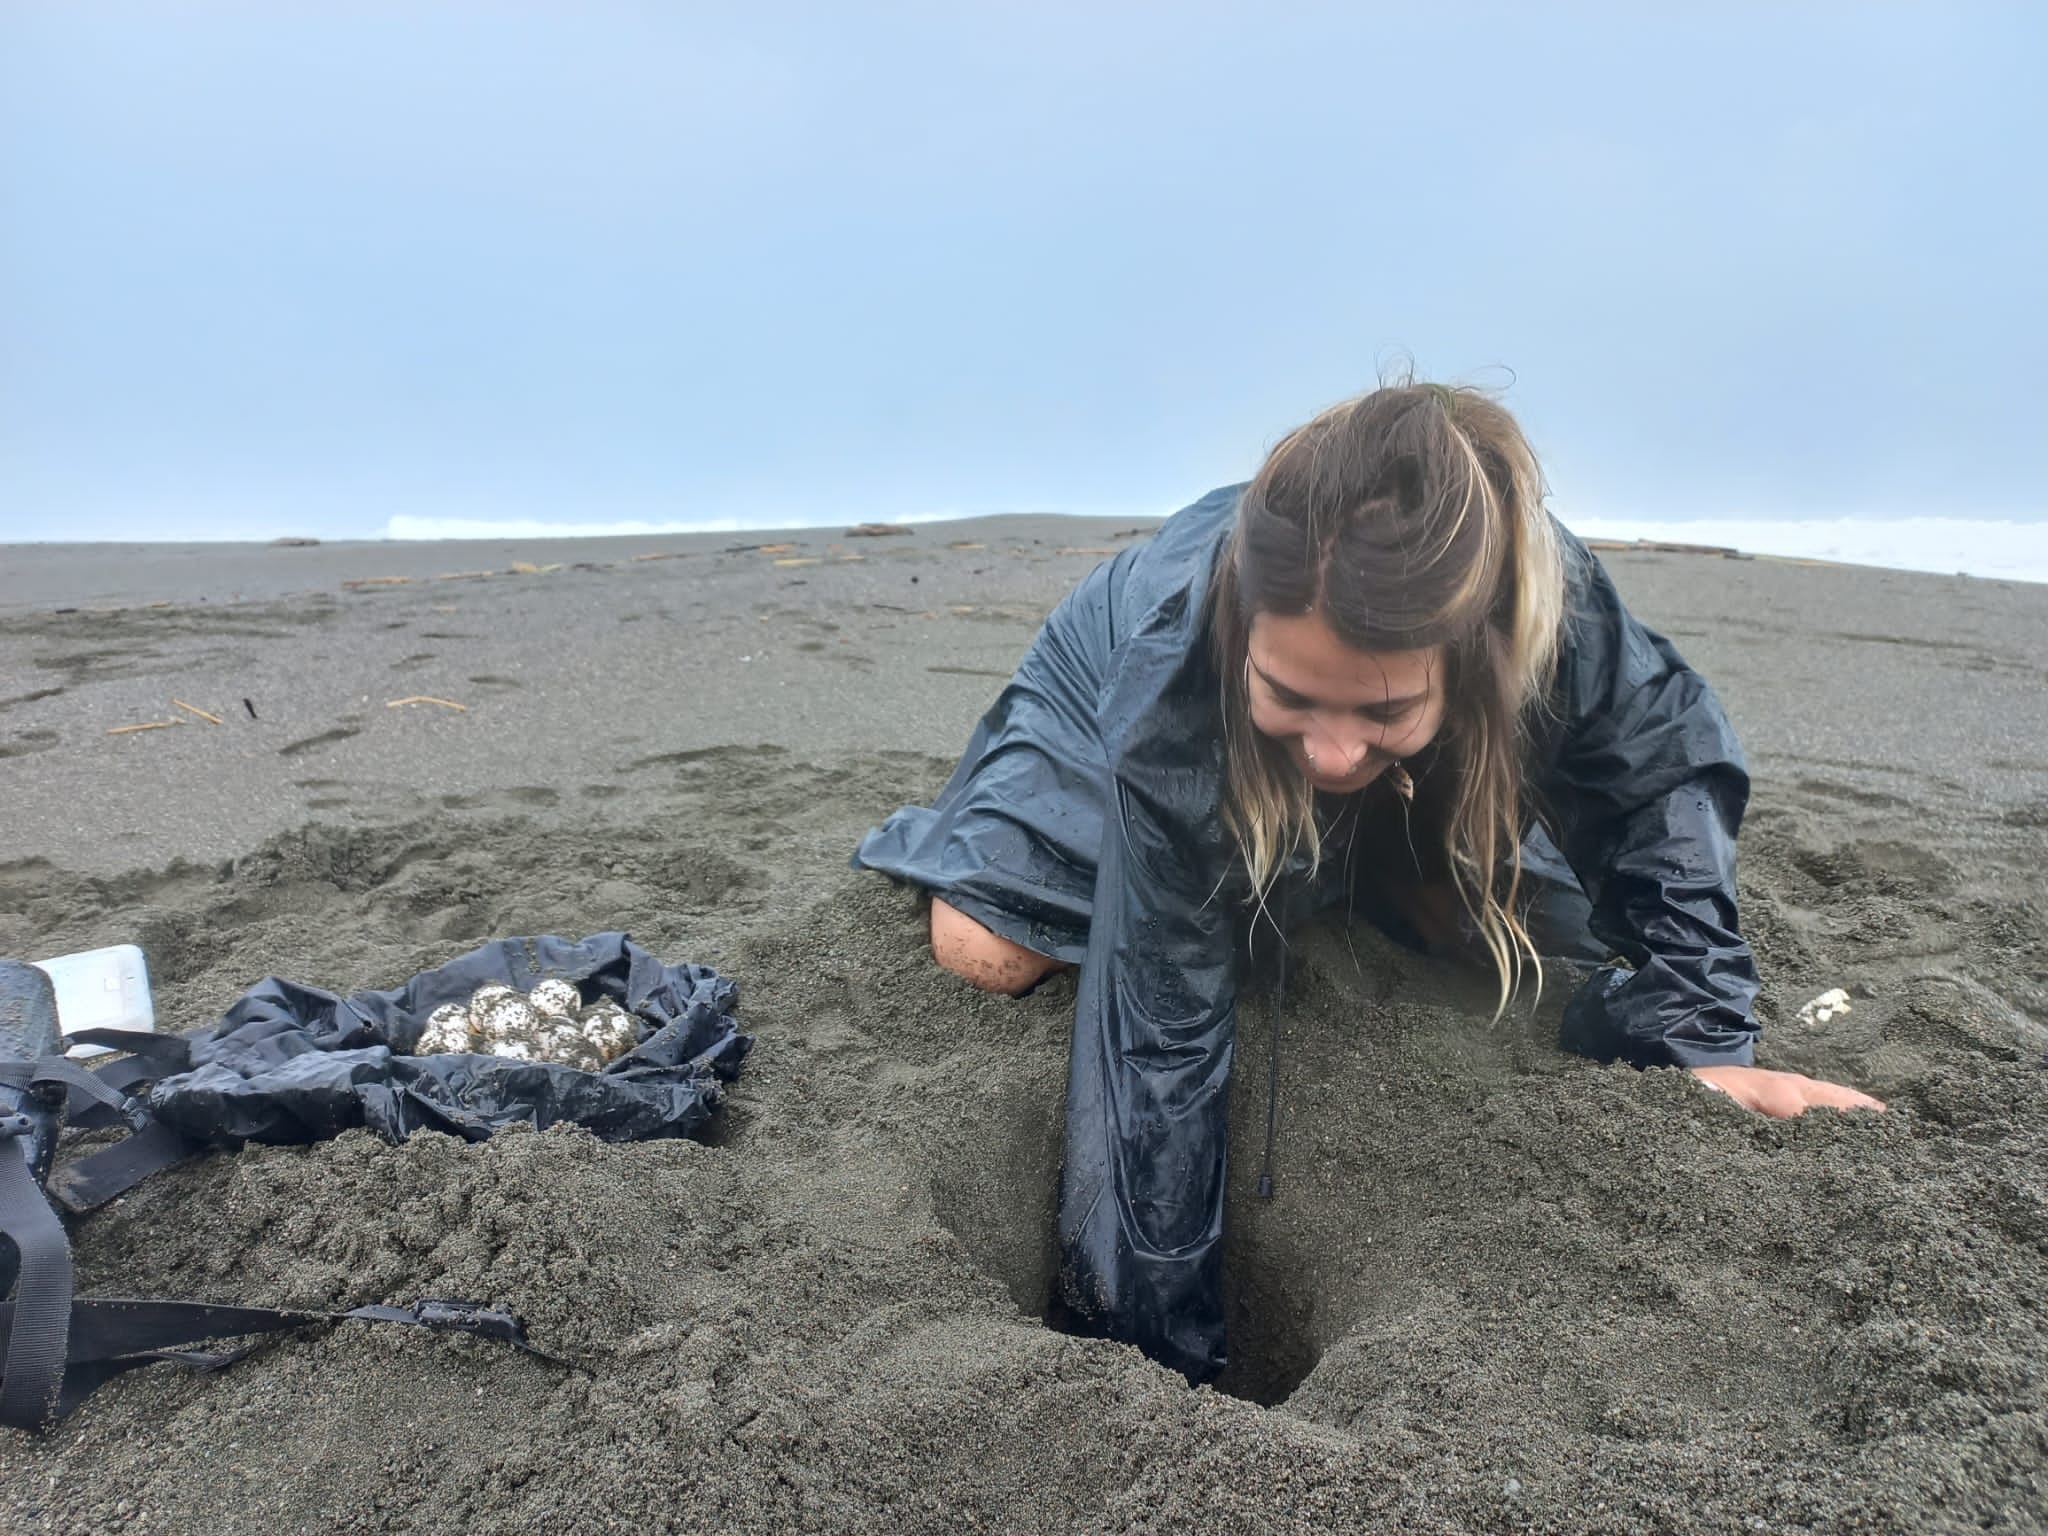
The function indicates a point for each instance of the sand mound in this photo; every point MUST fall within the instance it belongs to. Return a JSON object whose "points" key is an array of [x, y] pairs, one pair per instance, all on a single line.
{"points": [[1498, 1289]]}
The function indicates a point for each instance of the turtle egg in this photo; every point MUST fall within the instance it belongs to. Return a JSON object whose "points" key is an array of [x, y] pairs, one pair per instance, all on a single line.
{"points": [[447, 1030], [555, 996], [610, 1030], [480, 1004], [504, 1019], [563, 1041]]}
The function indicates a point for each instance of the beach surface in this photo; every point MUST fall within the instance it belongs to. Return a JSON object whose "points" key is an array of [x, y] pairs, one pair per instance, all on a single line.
{"points": [[1498, 1288]]}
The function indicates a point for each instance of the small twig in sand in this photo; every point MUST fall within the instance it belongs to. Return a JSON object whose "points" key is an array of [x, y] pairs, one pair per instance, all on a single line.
{"points": [[528, 568], [466, 575], [193, 709], [150, 725], [377, 581], [422, 698]]}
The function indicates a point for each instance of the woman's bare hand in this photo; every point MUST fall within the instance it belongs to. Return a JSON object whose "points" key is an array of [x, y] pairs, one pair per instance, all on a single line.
{"points": [[1781, 1094]]}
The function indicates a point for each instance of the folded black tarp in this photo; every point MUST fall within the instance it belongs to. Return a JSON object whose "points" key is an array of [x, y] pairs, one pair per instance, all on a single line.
{"points": [[293, 1063]]}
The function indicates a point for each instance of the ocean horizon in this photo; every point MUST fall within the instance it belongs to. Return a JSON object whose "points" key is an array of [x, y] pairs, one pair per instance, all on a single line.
{"points": [[2001, 549], [1997, 548]]}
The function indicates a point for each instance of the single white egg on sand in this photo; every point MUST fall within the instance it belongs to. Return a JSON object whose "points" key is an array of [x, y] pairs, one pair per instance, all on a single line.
{"points": [[1827, 1006]]}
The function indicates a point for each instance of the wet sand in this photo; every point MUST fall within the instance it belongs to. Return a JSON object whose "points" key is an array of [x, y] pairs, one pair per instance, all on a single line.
{"points": [[1499, 1289]]}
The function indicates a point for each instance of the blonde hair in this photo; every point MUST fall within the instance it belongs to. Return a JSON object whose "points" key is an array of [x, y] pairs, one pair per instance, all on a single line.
{"points": [[1406, 518]]}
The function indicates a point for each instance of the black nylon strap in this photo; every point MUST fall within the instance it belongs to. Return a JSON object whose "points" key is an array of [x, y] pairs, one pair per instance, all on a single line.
{"points": [[110, 1335], [39, 1319], [461, 1317], [127, 1073], [89, 1182], [90, 1102], [166, 1054], [108, 1327]]}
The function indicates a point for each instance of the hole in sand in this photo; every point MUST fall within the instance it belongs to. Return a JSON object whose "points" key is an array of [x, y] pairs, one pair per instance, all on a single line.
{"points": [[996, 1190], [1270, 1308], [1272, 1345], [1357, 1182], [1270, 1300]]}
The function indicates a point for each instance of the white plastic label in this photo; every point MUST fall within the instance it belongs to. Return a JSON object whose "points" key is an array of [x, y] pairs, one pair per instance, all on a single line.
{"points": [[100, 989]]}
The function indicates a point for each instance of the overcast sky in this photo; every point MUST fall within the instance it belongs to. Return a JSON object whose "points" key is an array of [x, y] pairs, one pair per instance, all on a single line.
{"points": [[272, 268]]}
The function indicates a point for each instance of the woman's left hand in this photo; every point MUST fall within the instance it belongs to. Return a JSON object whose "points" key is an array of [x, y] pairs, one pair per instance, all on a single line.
{"points": [[1781, 1094]]}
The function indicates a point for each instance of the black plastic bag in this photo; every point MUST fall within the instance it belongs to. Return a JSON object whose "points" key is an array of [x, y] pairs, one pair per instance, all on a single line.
{"points": [[292, 1063]]}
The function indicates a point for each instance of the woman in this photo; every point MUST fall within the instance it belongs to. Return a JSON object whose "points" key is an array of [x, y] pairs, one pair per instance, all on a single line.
{"points": [[1366, 676]]}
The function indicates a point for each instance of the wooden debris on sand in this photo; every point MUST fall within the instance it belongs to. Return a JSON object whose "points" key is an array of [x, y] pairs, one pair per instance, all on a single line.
{"points": [[354, 583], [193, 709], [147, 725], [424, 698], [877, 530]]}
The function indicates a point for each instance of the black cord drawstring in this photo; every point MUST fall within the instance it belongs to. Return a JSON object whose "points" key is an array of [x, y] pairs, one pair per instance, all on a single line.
{"points": [[1279, 1010]]}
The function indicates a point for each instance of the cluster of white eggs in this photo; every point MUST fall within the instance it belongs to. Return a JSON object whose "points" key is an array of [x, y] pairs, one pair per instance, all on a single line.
{"points": [[550, 1023]]}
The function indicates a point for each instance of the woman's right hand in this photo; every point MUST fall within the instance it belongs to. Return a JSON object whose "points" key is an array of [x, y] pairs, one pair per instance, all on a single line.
{"points": [[1782, 1095]]}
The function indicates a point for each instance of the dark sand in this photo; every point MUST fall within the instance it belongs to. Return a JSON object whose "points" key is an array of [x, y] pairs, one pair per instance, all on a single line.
{"points": [[1499, 1289]]}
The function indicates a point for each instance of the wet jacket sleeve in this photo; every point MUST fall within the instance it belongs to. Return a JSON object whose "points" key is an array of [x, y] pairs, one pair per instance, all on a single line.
{"points": [[1141, 1201], [1644, 788]]}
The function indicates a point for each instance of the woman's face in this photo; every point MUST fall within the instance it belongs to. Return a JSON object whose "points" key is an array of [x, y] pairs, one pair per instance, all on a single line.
{"points": [[1345, 716]]}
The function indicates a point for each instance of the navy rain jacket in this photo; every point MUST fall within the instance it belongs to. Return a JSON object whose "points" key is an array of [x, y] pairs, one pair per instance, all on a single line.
{"points": [[1083, 822]]}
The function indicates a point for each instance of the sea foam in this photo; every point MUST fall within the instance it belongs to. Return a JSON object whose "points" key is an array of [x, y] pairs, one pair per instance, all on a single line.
{"points": [[2009, 551]]}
